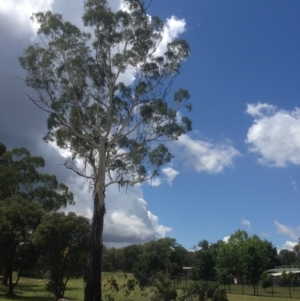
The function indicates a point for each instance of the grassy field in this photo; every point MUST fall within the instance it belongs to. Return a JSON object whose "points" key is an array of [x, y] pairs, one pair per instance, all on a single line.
{"points": [[34, 290]]}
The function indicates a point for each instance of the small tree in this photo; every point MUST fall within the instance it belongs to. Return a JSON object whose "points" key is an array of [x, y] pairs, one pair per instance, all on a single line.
{"points": [[117, 131], [18, 221], [287, 279], [266, 280], [63, 242], [161, 288]]}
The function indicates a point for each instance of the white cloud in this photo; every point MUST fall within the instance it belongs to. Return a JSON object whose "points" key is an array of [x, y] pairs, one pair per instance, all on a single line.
{"points": [[207, 156], [260, 109], [17, 14], [274, 135], [294, 184], [170, 174], [226, 238], [246, 223], [128, 219], [173, 28], [160, 230], [289, 245], [283, 229], [155, 182]]}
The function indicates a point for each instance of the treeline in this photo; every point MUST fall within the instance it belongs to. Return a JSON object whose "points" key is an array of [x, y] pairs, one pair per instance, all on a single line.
{"points": [[243, 257], [164, 255], [34, 237]]}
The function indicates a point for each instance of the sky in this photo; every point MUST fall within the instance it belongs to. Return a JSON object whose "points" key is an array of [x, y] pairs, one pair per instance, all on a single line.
{"points": [[239, 166]]}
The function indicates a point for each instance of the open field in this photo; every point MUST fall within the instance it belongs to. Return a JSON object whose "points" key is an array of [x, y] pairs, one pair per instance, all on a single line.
{"points": [[34, 290]]}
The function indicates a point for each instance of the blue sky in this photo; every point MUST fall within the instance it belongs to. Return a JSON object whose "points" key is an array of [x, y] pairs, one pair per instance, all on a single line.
{"points": [[239, 167]]}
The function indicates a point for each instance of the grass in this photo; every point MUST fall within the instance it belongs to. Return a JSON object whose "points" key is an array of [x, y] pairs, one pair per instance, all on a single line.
{"points": [[29, 289], [281, 293]]}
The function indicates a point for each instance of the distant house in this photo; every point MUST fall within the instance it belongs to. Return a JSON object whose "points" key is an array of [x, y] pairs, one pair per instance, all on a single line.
{"points": [[187, 272], [277, 272]]}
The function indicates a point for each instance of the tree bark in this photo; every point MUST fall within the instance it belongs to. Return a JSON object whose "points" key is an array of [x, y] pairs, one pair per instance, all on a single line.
{"points": [[93, 279], [5, 277], [10, 281]]}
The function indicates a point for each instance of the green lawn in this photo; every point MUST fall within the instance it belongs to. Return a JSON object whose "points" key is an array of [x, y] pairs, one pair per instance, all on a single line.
{"points": [[34, 290]]}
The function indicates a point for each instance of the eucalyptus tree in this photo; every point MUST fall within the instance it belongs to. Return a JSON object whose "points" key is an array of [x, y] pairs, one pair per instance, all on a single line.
{"points": [[116, 132]]}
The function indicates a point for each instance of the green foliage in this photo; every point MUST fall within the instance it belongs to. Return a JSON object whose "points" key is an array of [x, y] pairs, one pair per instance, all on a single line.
{"points": [[161, 288], [113, 286], [205, 265], [288, 257], [208, 291], [244, 255], [18, 221], [77, 77], [19, 175], [286, 279], [62, 241], [266, 280], [148, 265], [164, 255]]}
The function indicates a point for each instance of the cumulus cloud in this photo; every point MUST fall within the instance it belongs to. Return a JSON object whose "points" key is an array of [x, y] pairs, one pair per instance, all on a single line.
{"points": [[173, 28], [206, 156], [274, 135], [246, 224], [128, 219], [289, 245], [167, 176], [170, 174], [289, 231], [16, 14], [226, 238]]}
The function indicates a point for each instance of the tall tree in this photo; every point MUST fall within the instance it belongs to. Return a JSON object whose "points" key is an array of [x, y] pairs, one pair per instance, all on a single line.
{"points": [[117, 131]]}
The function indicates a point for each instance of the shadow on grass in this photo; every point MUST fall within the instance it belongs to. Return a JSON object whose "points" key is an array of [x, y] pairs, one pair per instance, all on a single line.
{"points": [[31, 298]]}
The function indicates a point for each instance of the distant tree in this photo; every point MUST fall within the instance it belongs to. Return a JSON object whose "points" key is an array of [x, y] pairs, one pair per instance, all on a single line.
{"points": [[131, 255], [20, 175], [117, 131], [274, 258], [244, 256], [287, 257], [2, 149], [147, 266], [255, 259], [203, 245], [18, 221], [229, 258], [287, 279], [205, 267], [266, 280], [63, 242]]}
